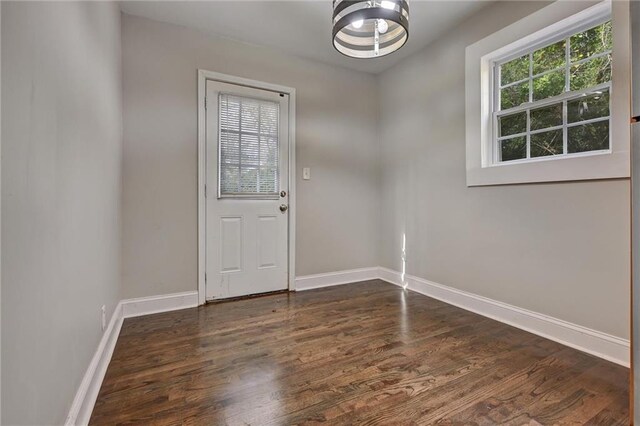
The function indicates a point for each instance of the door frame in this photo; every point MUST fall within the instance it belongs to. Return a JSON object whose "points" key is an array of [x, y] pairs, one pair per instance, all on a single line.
{"points": [[203, 76]]}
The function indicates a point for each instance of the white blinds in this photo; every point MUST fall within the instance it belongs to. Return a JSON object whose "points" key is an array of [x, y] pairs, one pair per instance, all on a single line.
{"points": [[248, 146]]}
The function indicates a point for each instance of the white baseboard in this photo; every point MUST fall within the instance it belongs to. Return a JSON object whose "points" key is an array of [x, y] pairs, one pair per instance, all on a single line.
{"points": [[156, 304], [594, 342], [309, 282], [87, 393], [390, 276]]}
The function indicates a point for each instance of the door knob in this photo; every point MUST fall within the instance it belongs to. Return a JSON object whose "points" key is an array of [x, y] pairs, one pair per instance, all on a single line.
{"points": [[283, 207]]}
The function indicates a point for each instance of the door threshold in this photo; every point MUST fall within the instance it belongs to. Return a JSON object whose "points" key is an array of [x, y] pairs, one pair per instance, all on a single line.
{"points": [[248, 296]]}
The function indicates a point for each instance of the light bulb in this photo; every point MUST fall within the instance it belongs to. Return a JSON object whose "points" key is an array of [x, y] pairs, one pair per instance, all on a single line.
{"points": [[357, 24], [382, 26], [387, 4]]}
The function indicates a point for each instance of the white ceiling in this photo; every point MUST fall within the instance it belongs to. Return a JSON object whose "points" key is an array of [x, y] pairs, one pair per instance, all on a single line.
{"points": [[302, 27]]}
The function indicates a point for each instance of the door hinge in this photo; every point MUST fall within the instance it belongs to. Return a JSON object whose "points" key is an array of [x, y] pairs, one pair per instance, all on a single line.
{"points": [[205, 190], [205, 277], [205, 103]]}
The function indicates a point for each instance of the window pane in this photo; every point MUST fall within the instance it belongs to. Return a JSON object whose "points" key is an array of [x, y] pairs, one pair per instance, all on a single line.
{"points": [[230, 113], [513, 149], [594, 105], [546, 143], [515, 70], [551, 84], [515, 95], [268, 151], [549, 58], [512, 124], [249, 147], [269, 120], [248, 179], [588, 137], [229, 147], [268, 179], [250, 116], [591, 42], [229, 179], [591, 73], [543, 118]]}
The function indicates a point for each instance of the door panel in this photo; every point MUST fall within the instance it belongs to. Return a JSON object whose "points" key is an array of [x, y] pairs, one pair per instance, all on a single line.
{"points": [[267, 241], [247, 184], [231, 240]]}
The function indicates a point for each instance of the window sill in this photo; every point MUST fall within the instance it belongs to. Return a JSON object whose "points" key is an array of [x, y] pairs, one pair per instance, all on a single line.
{"points": [[588, 166], [551, 158]]}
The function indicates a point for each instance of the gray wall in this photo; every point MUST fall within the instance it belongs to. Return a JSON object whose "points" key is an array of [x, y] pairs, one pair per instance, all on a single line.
{"points": [[61, 189], [337, 217], [558, 249]]}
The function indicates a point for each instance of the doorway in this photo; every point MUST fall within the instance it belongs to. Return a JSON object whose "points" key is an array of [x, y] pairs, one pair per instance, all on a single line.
{"points": [[247, 188]]}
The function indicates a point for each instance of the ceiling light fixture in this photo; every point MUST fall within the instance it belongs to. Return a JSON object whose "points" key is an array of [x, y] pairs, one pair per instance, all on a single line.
{"points": [[370, 28]]}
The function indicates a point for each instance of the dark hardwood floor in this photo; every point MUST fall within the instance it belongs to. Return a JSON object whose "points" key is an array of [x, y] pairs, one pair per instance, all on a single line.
{"points": [[366, 353]]}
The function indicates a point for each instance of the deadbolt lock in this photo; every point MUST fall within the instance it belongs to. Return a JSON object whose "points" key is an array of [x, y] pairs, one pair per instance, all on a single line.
{"points": [[283, 194]]}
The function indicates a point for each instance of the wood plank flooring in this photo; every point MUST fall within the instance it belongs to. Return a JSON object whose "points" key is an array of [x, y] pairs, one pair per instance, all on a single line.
{"points": [[366, 353]]}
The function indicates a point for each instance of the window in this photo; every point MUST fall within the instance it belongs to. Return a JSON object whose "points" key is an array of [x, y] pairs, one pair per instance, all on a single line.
{"points": [[554, 100], [248, 147], [548, 97]]}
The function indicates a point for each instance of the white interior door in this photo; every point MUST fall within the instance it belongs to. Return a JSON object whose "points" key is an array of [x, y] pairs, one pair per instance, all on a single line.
{"points": [[247, 193]]}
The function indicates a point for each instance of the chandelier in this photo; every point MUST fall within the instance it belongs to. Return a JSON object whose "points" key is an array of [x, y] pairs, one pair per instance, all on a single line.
{"points": [[370, 28]]}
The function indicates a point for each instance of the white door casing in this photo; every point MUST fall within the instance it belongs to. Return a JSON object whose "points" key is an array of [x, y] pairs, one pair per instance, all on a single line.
{"points": [[246, 234]]}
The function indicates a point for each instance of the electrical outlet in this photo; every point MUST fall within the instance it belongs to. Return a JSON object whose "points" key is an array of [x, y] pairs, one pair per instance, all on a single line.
{"points": [[103, 311]]}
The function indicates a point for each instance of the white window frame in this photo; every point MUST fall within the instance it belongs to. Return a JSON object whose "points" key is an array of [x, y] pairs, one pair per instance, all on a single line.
{"points": [[596, 19], [548, 25]]}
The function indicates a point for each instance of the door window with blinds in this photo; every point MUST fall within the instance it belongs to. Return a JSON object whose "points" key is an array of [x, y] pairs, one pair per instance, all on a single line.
{"points": [[248, 140]]}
